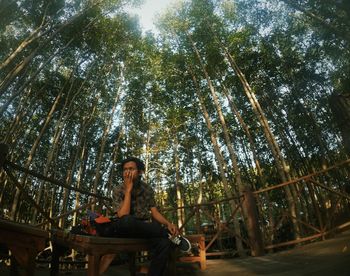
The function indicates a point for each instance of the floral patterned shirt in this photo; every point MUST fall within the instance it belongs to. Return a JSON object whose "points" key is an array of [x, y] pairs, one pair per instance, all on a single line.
{"points": [[142, 200]]}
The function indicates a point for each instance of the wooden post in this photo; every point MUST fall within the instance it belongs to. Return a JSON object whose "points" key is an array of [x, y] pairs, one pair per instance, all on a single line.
{"points": [[132, 263], [4, 149], [93, 264], [254, 232], [203, 258], [55, 259]]}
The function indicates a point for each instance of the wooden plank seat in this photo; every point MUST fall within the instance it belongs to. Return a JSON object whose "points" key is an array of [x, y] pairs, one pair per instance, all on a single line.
{"points": [[24, 241], [198, 241], [95, 248]]}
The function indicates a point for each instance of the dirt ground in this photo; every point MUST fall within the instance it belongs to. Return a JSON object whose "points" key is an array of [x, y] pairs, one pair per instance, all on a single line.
{"points": [[323, 258]]}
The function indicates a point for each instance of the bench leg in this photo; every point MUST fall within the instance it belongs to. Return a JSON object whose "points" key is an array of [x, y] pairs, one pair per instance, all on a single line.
{"points": [[202, 255], [132, 263], [14, 266], [23, 257], [30, 265], [105, 261], [57, 252], [94, 265]]}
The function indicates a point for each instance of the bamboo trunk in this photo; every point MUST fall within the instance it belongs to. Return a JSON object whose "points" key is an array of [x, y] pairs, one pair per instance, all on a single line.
{"points": [[219, 158], [282, 167], [179, 198], [32, 153]]}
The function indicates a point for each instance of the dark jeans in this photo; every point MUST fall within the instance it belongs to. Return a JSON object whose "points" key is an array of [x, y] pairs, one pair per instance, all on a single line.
{"points": [[130, 227]]}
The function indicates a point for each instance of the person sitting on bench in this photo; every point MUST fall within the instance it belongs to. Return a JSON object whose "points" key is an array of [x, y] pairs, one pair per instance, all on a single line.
{"points": [[138, 217]]}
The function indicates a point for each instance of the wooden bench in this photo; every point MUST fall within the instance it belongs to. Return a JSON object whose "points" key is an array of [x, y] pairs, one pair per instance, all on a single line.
{"points": [[96, 247], [24, 241], [199, 241]]}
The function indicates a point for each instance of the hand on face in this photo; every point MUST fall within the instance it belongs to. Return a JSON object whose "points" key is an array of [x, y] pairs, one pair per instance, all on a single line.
{"points": [[129, 180], [130, 175]]}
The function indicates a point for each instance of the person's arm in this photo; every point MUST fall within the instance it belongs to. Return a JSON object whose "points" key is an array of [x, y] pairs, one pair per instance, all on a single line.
{"points": [[125, 205], [162, 220], [124, 208]]}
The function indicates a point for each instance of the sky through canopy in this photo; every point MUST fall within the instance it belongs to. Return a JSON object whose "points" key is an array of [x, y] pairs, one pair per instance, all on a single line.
{"points": [[148, 11]]}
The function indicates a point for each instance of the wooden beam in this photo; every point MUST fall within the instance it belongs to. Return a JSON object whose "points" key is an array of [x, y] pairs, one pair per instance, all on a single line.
{"points": [[53, 181], [316, 236], [29, 198], [306, 177]]}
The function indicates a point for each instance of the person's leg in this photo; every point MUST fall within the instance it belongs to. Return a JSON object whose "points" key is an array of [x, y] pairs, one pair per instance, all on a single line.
{"points": [[132, 227], [105, 262], [128, 226], [161, 249]]}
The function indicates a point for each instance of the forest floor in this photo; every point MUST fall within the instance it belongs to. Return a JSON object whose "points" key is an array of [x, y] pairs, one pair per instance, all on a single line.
{"points": [[330, 257]]}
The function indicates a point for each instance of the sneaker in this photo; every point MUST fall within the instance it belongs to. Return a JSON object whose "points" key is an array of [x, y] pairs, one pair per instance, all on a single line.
{"points": [[182, 243]]}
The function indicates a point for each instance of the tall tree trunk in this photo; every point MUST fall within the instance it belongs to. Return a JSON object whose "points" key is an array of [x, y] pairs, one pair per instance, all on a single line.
{"points": [[114, 159], [200, 190], [103, 141], [322, 21], [27, 41], [248, 216], [25, 105], [4, 182], [32, 152], [61, 123], [257, 168], [245, 127], [281, 165], [340, 105], [80, 173], [148, 145], [221, 162], [218, 108], [69, 178], [26, 61], [19, 90], [179, 197], [17, 70]]}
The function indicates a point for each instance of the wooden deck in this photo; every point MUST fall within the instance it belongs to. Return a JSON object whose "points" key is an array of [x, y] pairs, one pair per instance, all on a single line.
{"points": [[321, 258]]}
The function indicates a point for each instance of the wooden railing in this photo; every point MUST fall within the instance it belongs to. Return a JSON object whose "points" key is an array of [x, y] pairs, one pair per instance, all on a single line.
{"points": [[325, 207], [309, 230], [207, 211]]}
